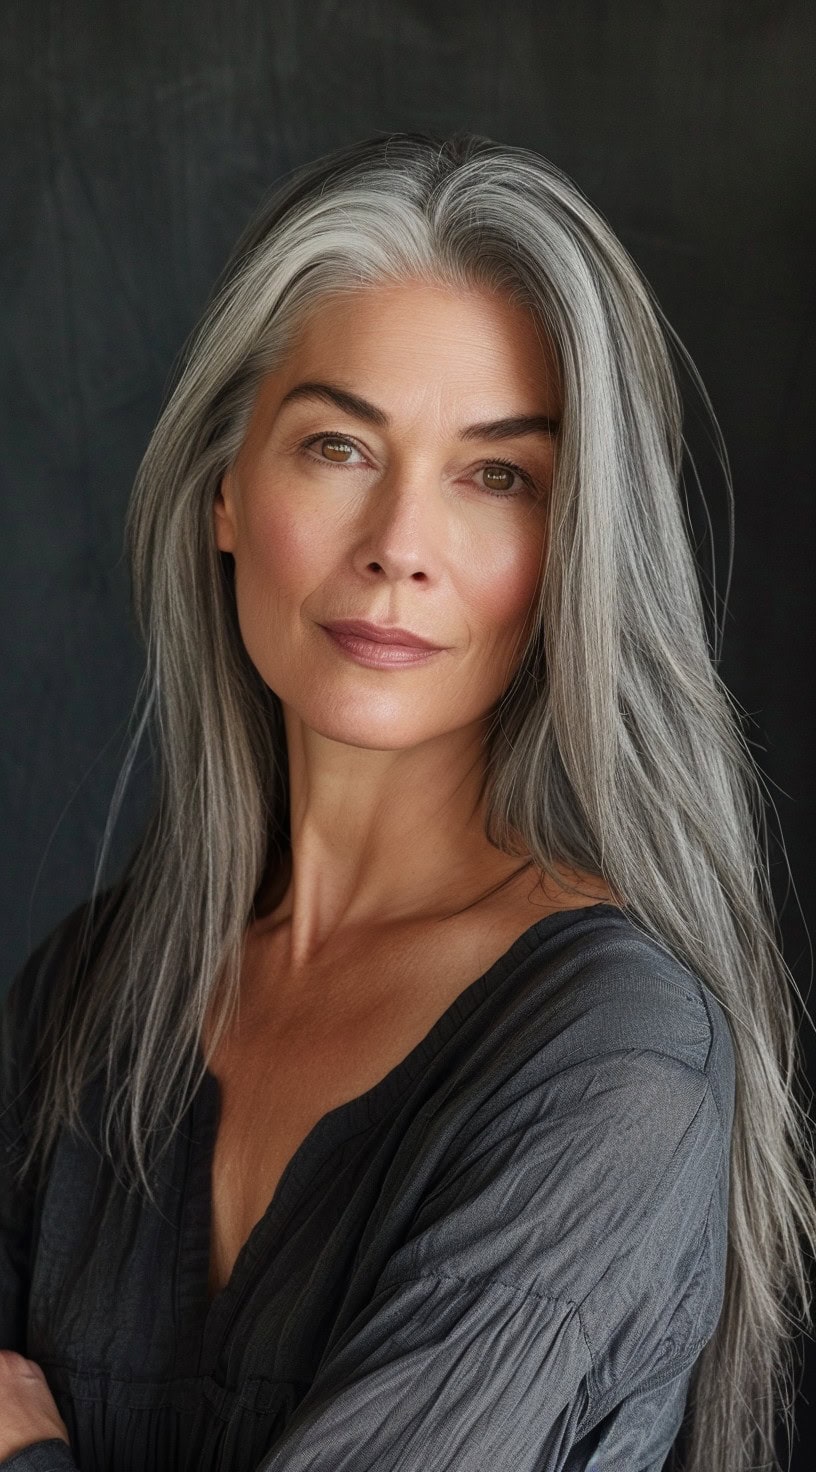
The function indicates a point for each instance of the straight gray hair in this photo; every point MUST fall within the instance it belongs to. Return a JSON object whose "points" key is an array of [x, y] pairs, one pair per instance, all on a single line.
{"points": [[616, 749]]}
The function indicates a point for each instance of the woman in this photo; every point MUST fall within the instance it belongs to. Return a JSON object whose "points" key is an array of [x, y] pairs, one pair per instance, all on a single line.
{"points": [[420, 1097]]}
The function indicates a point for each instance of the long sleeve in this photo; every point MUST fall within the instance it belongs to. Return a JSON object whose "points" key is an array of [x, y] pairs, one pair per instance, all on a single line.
{"points": [[19, 1009], [16, 1198], [23, 1008], [51, 1455]]}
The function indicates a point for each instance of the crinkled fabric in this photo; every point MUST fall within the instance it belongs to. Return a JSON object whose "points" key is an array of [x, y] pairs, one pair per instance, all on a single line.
{"points": [[510, 1252]]}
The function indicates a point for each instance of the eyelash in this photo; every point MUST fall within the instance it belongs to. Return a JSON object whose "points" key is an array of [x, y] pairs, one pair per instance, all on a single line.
{"points": [[524, 475]]}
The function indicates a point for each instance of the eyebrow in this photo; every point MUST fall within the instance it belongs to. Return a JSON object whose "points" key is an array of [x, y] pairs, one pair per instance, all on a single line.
{"points": [[488, 429]]}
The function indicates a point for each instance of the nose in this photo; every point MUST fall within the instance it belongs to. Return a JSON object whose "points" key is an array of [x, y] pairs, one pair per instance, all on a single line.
{"points": [[404, 527]]}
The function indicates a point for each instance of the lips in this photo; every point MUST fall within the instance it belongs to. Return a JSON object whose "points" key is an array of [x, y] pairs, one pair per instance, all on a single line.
{"points": [[380, 633]]}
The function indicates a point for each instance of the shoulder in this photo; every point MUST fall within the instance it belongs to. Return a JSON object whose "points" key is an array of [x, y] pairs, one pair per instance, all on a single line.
{"points": [[604, 1060], [600, 987], [586, 1157]]}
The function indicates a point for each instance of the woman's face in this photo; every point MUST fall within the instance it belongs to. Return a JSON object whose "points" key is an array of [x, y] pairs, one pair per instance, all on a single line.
{"points": [[373, 497]]}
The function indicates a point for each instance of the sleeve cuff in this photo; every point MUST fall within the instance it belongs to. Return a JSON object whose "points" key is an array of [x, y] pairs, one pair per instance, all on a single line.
{"points": [[50, 1455]]}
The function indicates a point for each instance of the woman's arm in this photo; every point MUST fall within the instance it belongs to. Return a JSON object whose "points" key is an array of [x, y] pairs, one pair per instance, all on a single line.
{"points": [[32, 1432], [16, 1197]]}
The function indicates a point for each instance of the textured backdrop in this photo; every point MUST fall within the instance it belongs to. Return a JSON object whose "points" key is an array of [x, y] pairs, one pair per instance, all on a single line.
{"points": [[137, 139]]}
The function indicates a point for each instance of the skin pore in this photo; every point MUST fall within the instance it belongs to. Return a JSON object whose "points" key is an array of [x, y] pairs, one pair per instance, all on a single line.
{"points": [[365, 499]]}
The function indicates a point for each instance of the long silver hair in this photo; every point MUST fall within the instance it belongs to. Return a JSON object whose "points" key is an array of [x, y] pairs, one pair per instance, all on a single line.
{"points": [[616, 748]]}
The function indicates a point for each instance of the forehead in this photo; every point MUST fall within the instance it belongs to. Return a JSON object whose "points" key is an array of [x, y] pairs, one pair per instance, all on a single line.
{"points": [[450, 343]]}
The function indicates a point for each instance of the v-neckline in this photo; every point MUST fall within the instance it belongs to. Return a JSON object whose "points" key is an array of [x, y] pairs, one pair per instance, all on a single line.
{"points": [[204, 1322]]}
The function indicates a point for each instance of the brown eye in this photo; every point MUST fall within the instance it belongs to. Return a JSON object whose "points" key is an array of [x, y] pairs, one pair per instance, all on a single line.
{"points": [[498, 477], [337, 448]]}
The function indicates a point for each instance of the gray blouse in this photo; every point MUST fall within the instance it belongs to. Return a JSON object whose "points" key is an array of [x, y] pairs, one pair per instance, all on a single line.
{"points": [[507, 1254]]}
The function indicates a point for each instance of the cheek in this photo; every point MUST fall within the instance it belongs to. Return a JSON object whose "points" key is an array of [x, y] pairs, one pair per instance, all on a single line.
{"points": [[278, 563], [281, 551], [502, 582]]}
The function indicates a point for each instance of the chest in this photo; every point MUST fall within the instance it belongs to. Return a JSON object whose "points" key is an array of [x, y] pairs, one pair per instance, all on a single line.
{"points": [[281, 1068]]}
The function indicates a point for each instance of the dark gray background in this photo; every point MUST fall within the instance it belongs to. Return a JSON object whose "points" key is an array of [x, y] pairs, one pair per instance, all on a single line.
{"points": [[137, 139]]}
